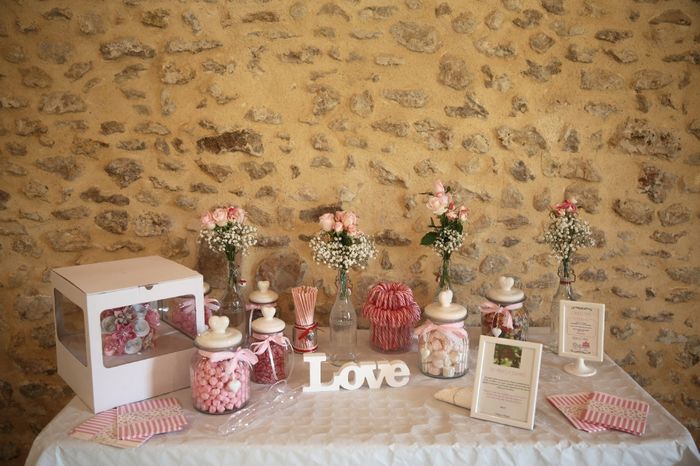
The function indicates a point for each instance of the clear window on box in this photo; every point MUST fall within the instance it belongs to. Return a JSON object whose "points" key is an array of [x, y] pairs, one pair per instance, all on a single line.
{"points": [[132, 332]]}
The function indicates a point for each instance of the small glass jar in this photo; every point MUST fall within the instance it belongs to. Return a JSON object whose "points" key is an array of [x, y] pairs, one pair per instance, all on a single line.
{"points": [[220, 369], [273, 349], [261, 296], [305, 338], [503, 314], [443, 343]]}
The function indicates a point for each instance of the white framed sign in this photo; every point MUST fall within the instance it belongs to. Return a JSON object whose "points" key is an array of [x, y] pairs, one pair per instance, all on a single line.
{"points": [[581, 334], [506, 381]]}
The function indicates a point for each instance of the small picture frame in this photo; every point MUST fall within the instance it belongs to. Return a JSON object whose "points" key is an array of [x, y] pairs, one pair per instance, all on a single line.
{"points": [[581, 330], [581, 335], [506, 381]]}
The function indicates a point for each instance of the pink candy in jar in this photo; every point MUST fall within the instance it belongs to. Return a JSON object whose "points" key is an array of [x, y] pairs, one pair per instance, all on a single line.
{"points": [[272, 348], [220, 369]]}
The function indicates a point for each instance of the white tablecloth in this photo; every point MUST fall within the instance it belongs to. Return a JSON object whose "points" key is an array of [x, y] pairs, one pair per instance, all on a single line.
{"points": [[391, 426]]}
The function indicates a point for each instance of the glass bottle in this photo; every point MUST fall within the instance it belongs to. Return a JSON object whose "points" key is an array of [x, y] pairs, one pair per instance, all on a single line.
{"points": [[220, 369], [565, 291], [343, 324], [231, 304]]}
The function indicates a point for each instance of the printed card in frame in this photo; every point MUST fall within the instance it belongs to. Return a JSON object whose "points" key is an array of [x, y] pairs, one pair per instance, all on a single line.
{"points": [[506, 381], [581, 330]]}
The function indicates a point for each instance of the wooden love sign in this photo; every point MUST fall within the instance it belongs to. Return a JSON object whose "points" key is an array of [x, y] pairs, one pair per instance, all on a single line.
{"points": [[394, 373]]}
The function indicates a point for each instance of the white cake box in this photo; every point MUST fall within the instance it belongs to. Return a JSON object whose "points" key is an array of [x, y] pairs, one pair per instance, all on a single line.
{"points": [[84, 294]]}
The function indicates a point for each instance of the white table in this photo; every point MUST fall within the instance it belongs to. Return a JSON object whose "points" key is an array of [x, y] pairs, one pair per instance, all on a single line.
{"points": [[391, 426]]}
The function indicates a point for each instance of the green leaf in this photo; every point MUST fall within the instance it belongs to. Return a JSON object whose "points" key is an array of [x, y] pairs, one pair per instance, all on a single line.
{"points": [[428, 239]]}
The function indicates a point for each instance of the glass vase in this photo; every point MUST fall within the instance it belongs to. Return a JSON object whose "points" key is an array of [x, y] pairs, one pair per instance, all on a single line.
{"points": [[444, 282], [343, 324], [232, 305], [565, 291]]}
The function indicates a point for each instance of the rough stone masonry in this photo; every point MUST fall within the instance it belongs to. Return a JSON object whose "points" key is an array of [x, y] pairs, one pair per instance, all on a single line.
{"points": [[120, 122]]}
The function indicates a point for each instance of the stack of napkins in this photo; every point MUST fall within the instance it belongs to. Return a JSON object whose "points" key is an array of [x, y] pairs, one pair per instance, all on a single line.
{"points": [[133, 424], [598, 411]]}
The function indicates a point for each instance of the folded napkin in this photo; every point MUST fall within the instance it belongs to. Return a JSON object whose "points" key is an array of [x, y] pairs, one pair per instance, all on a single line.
{"points": [[598, 411], [149, 417], [461, 397], [617, 413], [573, 406], [102, 428]]}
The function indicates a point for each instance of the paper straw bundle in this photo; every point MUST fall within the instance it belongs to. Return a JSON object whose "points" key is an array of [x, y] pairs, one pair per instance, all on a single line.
{"points": [[304, 337], [392, 311]]}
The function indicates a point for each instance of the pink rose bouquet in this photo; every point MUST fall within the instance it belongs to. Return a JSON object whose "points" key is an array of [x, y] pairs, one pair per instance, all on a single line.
{"points": [[448, 233], [339, 244], [567, 232], [225, 231]]}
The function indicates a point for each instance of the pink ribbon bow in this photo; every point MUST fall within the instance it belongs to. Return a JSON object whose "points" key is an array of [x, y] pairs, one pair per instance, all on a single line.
{"points": [[305, 330], [488, 307], [210, 304], [454, 331], [243, 355], [263, 344]]}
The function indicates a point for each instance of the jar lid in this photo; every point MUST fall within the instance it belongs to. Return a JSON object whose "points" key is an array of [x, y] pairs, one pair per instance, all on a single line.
{"points": [[219, 335], [505, 293], [268, 323], [445, 310], [263, 295]]}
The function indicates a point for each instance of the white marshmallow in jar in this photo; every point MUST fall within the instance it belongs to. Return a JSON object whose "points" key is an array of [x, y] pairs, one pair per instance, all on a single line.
{"points": [[443, 342], [257, 299], [220, 369]]}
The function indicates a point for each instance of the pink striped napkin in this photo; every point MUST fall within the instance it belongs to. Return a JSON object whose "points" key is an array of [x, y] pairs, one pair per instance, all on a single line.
{"points": [[573, 406], [617, 413], [149, 417], [102, 428]]}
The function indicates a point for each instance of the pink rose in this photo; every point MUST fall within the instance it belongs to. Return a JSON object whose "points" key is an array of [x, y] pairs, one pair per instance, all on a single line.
{"points": [[236, 214], [438, 204], [438, 188], [338, 227], [350, 219], [352, 230], [339, 215], [208, 221], [220, 216], [463, 214], [451, 214], [327, 221]]}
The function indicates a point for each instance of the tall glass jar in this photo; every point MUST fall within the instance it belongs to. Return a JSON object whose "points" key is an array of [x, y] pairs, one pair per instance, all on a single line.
{"points": [[565, 291], [503, 313], [343, 323], [273, 349], [443, 343], [220, 369]]}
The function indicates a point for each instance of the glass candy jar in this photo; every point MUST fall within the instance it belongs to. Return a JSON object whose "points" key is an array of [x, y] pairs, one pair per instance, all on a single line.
{"points": [[443, 343], [503, 314], [273, 349], [261, 296], [220, 369]]}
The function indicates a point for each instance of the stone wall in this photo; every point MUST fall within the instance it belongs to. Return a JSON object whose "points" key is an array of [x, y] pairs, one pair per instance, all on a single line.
{"points": [[120, 122]]}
